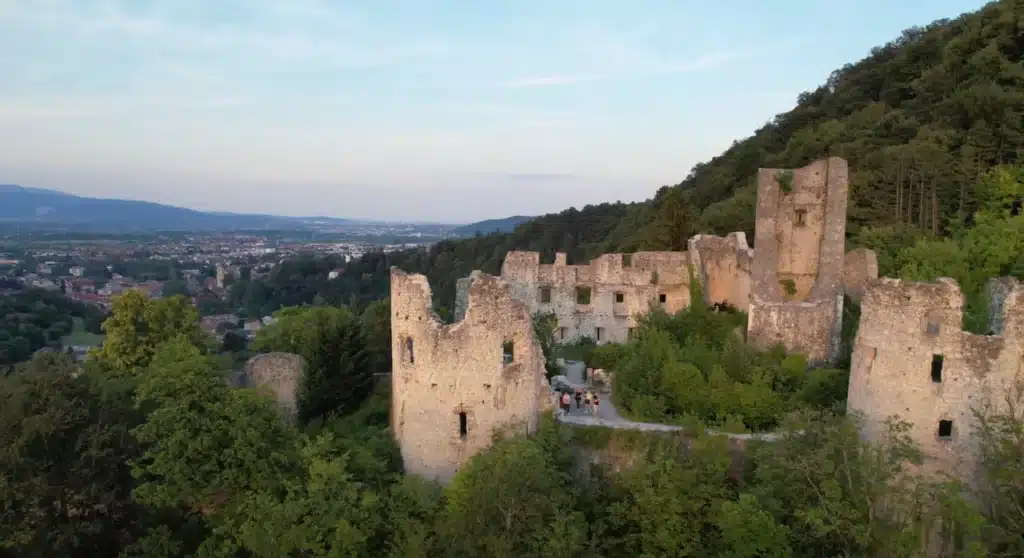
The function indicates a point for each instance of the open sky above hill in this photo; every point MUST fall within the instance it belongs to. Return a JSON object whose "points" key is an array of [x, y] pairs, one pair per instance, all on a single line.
{"points": [[412, 109]]}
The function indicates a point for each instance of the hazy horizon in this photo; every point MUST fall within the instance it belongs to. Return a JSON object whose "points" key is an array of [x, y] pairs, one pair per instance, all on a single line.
{"points": [[406, 111]]}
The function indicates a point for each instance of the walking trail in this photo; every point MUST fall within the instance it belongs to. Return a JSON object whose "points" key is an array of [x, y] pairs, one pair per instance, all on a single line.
{"points": [[609, 417]]}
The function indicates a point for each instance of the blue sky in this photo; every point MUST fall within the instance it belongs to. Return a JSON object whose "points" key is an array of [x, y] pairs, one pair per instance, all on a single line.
{"points": [[430, 110]]}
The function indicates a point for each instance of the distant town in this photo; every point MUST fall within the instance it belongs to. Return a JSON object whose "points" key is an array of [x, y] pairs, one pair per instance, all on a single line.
{"points": [[197, 266]]}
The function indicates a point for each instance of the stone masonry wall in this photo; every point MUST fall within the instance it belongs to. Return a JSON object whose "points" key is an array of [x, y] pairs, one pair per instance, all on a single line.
{"points": [[621, 287], [800, 243], [454, 385], [723, 265], [912, 359], [281, 373], [860, 266]]}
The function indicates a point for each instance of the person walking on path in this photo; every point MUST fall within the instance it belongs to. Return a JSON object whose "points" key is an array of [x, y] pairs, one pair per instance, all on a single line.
{"points": [[565, 402], [579, 398], [589, 399], [596, 402]]}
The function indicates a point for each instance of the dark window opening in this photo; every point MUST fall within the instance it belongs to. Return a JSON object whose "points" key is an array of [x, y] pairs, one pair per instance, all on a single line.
{"points": [[582, 295], [507, 353], [630, 333], [937, 368], [801, 217], [627, 260], [620, 298], [408, 350], [463, 425], [945, 428], [562, 332], [545, 294], [662, 298], [598, 333]]}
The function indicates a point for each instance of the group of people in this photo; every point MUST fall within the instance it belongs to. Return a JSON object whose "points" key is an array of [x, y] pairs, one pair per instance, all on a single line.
{"points": [[584, 398]]}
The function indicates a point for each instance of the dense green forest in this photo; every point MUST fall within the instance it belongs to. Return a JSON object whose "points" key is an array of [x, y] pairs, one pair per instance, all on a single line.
{"points": [[147, 451], [31, 319], [921, 120]]}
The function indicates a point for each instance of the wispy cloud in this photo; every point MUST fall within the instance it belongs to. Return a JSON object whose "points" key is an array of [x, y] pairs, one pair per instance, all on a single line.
{"points": [[590, 53], [702, 63], [259, 34]]}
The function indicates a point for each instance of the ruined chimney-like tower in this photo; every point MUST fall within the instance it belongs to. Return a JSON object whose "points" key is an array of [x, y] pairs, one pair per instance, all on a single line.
{"points": [[797, 274]]}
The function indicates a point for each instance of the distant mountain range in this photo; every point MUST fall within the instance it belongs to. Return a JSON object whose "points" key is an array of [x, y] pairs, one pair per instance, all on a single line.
{"points": [[42, 207], [508, 224]]}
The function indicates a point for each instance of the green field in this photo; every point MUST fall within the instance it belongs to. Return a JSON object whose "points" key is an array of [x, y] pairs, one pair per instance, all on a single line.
{"points": [[79, 336]]}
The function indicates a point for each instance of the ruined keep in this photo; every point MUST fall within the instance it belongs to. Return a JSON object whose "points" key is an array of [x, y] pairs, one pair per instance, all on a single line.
{"points": [[603, 299], [796, 295], [911, 358], [454, 385]]}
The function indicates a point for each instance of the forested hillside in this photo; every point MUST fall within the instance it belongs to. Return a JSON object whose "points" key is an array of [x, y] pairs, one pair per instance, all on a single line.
{"points": [[145, 451], [920, 120]]}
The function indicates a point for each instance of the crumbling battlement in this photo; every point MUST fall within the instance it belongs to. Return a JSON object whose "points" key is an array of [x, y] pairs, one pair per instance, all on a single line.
{"points": [[911, 358], [723, 265], [454, 385], [797, 277], [600, 300]]}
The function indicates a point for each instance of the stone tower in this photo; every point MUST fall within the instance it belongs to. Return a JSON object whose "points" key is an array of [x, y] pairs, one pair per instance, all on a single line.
{"points": [[454, 385], [796, 295], [911, 358]]}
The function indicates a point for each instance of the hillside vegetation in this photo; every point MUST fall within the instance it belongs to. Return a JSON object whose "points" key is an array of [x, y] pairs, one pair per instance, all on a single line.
{"points": [[145, 450], [920, 120]]}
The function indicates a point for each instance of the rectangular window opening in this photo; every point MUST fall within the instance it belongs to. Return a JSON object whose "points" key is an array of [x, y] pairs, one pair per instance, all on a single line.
{"points": [[620, 297], [598, 333], [408, 350], [627, 260], [801, 217], [937, 368], [562, 333], [463, 425], [932, 328], [945, 428], [545, 294], [662, 298], [507, 352], [582, 295]]}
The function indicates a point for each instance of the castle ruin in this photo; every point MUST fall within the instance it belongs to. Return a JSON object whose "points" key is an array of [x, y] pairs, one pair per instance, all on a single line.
{"points": [[454, 385], [603, 299], [796, 296], [912, 358]]}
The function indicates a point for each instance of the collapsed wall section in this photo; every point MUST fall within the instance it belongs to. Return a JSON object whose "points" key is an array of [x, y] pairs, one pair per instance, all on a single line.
{"points": [[798, 265], [454, 385], [723, 265], [911, 358], [600, 300]]}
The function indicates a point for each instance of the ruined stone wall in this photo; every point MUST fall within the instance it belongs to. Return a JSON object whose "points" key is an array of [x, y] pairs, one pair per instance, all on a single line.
{"points": [[462, 297], [912, 359], [797, 271], [280, 373], [723, 265], [454, 385], [860, 266], [621, 287]]}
